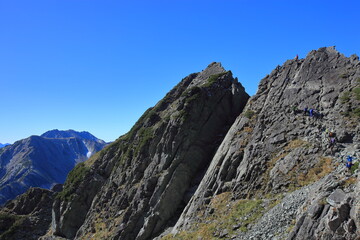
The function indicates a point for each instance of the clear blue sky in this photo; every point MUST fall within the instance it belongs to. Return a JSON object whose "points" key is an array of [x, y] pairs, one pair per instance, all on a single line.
{"points": [[97, 65]]}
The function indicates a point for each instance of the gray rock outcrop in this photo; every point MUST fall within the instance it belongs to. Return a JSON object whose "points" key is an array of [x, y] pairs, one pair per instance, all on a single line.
{"points": [[274, 147], [28, 216]]}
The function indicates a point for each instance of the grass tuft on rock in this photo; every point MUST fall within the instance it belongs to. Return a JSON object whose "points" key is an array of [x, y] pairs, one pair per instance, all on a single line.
{"points": [[74, 178], [249, 114], [213, 79]]}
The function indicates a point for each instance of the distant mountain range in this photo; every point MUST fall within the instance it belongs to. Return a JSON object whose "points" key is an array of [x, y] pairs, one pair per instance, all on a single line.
{"points": [[42, 161], [4, 145]]}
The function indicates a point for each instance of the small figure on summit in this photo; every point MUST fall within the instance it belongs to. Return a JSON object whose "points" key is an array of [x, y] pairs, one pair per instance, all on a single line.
{"points": [[296, 57], [332, 142]]}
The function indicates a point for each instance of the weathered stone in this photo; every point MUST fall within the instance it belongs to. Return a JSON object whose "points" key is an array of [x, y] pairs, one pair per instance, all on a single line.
{"points": [[28, 215], [224, 233], [315, 210], [334, 220], [336, 197], [350, 226]]}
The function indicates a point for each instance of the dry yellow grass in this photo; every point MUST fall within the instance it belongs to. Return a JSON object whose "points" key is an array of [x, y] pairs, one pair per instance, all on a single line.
{"points": [[321, 169], [227, 213], [248, 129], [295, 144], [350, 181]]}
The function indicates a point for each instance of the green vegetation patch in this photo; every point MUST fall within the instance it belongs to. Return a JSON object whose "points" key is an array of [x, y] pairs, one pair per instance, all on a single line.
{"points": [[137, 126], [350, 97], [247, 211], [354, 167], [249, 114], [192, 94], [356, 92], [145, 135], [356, 112], [213, 79], [345, 97], [74, 178], [132, 148]]}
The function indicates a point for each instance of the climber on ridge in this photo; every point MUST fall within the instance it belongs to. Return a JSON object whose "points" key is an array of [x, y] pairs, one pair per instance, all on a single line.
{"points": [[305, 111], [311, 112], [349, 162], [332, 138], [332, 142], [331, 134]]}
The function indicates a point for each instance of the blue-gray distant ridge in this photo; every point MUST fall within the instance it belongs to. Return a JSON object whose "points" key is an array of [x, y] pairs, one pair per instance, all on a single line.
{"points": [[4, 145], [43, 161]]}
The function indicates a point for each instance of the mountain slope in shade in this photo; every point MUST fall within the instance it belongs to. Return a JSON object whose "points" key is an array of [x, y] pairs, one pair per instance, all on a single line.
{"points": [[40, 161]]}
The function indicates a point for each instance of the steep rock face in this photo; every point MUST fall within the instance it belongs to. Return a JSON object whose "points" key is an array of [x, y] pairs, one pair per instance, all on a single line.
{"points": [[274, 148], [40, 161], [141, 182], [28, 216]]}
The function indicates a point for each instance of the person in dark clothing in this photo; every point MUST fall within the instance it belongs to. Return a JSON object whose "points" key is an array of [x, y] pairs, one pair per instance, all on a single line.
{"points": [[311, 112], [305, 111]]}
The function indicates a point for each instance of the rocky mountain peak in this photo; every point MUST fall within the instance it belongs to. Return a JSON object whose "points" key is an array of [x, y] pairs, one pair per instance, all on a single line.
{"points": [[59, 134], [213, 69], [147, 176]]}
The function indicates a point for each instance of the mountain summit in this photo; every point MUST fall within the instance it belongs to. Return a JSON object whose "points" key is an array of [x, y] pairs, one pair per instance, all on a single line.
{"points": [[71, 133], [147, 176]]}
